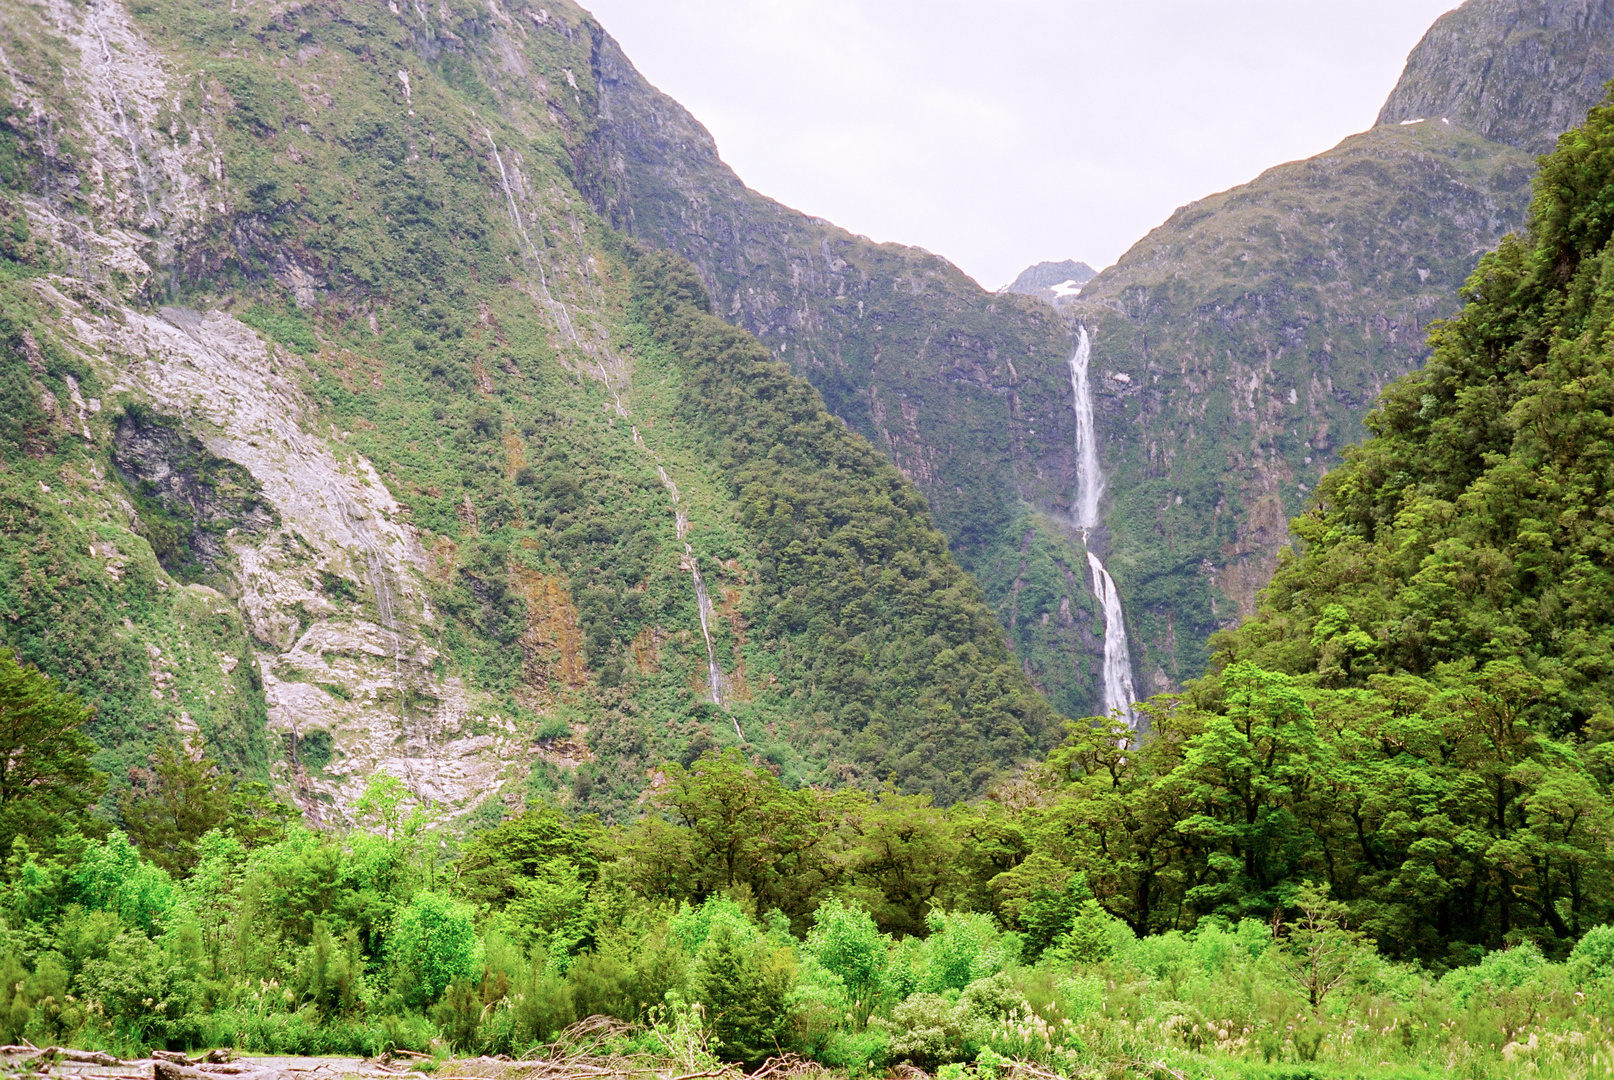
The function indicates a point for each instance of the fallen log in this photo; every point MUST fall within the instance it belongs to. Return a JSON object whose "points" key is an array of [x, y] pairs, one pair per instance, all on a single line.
{"points": [[83, 1057]]}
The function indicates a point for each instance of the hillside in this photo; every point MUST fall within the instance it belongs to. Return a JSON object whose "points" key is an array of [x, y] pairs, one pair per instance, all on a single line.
{"points": [[1315, 281], [966, 391], [1238, 346], [1514, 71], [1245, 339], [339, 438], [1448, 616]]}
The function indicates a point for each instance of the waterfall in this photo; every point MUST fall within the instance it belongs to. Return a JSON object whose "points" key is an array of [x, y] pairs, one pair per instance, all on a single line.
{"points": [[703, 602], [1089, 481], [557, 307], [1119, 694]]}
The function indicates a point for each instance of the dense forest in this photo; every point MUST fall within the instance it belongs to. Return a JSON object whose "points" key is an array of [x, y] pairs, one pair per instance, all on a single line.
{"points": [[1375, 839]]}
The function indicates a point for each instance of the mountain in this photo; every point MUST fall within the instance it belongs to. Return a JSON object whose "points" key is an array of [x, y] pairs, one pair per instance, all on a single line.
{"points": [[1053, 281], [1236, 348], [1514, 71], [966, 391], [1472, 528], [1242, 342], [341, 437]]}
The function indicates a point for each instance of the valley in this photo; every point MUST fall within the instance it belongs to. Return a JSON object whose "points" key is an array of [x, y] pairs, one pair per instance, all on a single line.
{"points": [[470, 566]]}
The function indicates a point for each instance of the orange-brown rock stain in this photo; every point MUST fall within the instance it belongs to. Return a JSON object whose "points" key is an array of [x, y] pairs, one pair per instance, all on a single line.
{"points": [[552, 645], [646, 649], [515, 455], [442, 558]]}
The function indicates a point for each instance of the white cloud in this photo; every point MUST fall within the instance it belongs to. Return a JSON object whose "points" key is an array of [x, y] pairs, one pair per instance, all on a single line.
{"points": [[1004, 132]]}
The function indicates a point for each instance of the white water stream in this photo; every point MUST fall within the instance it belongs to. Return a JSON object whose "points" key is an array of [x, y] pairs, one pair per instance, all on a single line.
{"points": [[1119, 694], [703, 602]]}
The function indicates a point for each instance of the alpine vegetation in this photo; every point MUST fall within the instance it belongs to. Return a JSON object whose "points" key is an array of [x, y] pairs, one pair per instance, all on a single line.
{"points": [[475, 581]]}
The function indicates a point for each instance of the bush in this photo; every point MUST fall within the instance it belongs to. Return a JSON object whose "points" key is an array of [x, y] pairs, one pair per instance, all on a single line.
{"points": [[744, 985], [1593, 955], [433, 943]]}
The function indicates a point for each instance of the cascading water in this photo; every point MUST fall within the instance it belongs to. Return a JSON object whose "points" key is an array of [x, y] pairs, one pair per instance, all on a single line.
{"points": [[1118, 690], [703, 602]]}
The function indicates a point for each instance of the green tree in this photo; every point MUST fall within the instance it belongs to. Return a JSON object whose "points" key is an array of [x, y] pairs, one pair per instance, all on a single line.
{"points": [[748, 829], [46, 782], [1322, 951], [744, 984], [183, 799], [845, 942], [1246, 769], [432, 943]]}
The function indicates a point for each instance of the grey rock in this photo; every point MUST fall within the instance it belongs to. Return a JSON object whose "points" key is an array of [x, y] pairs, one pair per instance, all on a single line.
{"points": [[1053, 281], [1519, 72]]}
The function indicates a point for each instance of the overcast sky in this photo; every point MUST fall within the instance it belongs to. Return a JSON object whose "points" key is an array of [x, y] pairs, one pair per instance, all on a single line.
{"points": [[1000, 133]]}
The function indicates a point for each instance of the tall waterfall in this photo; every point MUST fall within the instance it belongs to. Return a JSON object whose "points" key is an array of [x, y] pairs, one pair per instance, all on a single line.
{"points": [[1089, 481], [1119, 694]]}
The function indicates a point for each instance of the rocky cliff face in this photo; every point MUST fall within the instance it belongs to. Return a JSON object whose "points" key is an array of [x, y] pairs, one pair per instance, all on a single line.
{"points": [[1517, 72], [1243, 341], [1238, 347], [966, 391], [333, 444]]}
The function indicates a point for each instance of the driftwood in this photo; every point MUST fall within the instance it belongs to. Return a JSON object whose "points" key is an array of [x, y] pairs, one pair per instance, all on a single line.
{"points": [[162, 1069], [40, 1058]]}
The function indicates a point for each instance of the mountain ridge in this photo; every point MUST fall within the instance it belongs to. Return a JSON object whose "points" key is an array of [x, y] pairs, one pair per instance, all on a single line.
{"points": [[1256, 327], [337, 443]]}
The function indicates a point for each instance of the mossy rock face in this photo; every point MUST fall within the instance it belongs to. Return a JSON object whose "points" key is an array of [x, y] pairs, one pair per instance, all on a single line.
{"points": [[188, 500], [335, 347], [1238, 347]]}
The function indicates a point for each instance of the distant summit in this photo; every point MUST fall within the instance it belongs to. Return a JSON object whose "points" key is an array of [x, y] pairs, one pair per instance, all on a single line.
{"points": [[1518, 72], [1053, 281]]}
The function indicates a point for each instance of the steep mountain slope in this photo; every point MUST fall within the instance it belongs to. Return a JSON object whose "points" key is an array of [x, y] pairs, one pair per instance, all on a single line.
{"points": [[1237, 347], [1243, 341], [341, 437], [1515, 71], [1474, 526], [966, 391]]}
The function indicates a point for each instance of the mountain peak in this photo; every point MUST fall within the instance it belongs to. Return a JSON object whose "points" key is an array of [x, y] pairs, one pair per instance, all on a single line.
{"points": [[1519, 72], [1053, 281]]}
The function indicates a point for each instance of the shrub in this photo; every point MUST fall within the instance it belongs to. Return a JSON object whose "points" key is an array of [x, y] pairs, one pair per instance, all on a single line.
{"points": [[433, 943], [1593, 955], [744, 985], [845, 942]]}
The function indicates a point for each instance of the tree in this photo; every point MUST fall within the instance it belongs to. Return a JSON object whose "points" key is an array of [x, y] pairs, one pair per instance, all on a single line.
{"points": [[847, 944], [744, 985], [46, 782], [433, 943], [1247, 768], [497, 863], [167, 811], [750, 830], [1322, 951]]}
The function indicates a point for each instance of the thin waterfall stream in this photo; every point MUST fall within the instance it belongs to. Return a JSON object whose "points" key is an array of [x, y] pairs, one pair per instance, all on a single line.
{"points": [[1119, 694], [703, 602]]}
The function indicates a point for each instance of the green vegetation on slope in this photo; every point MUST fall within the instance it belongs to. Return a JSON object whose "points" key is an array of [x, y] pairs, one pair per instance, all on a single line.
{"points": [[1238, 346], [447, 307], [890, 643], [1474, 525], [966, 391], [738, 920]]}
